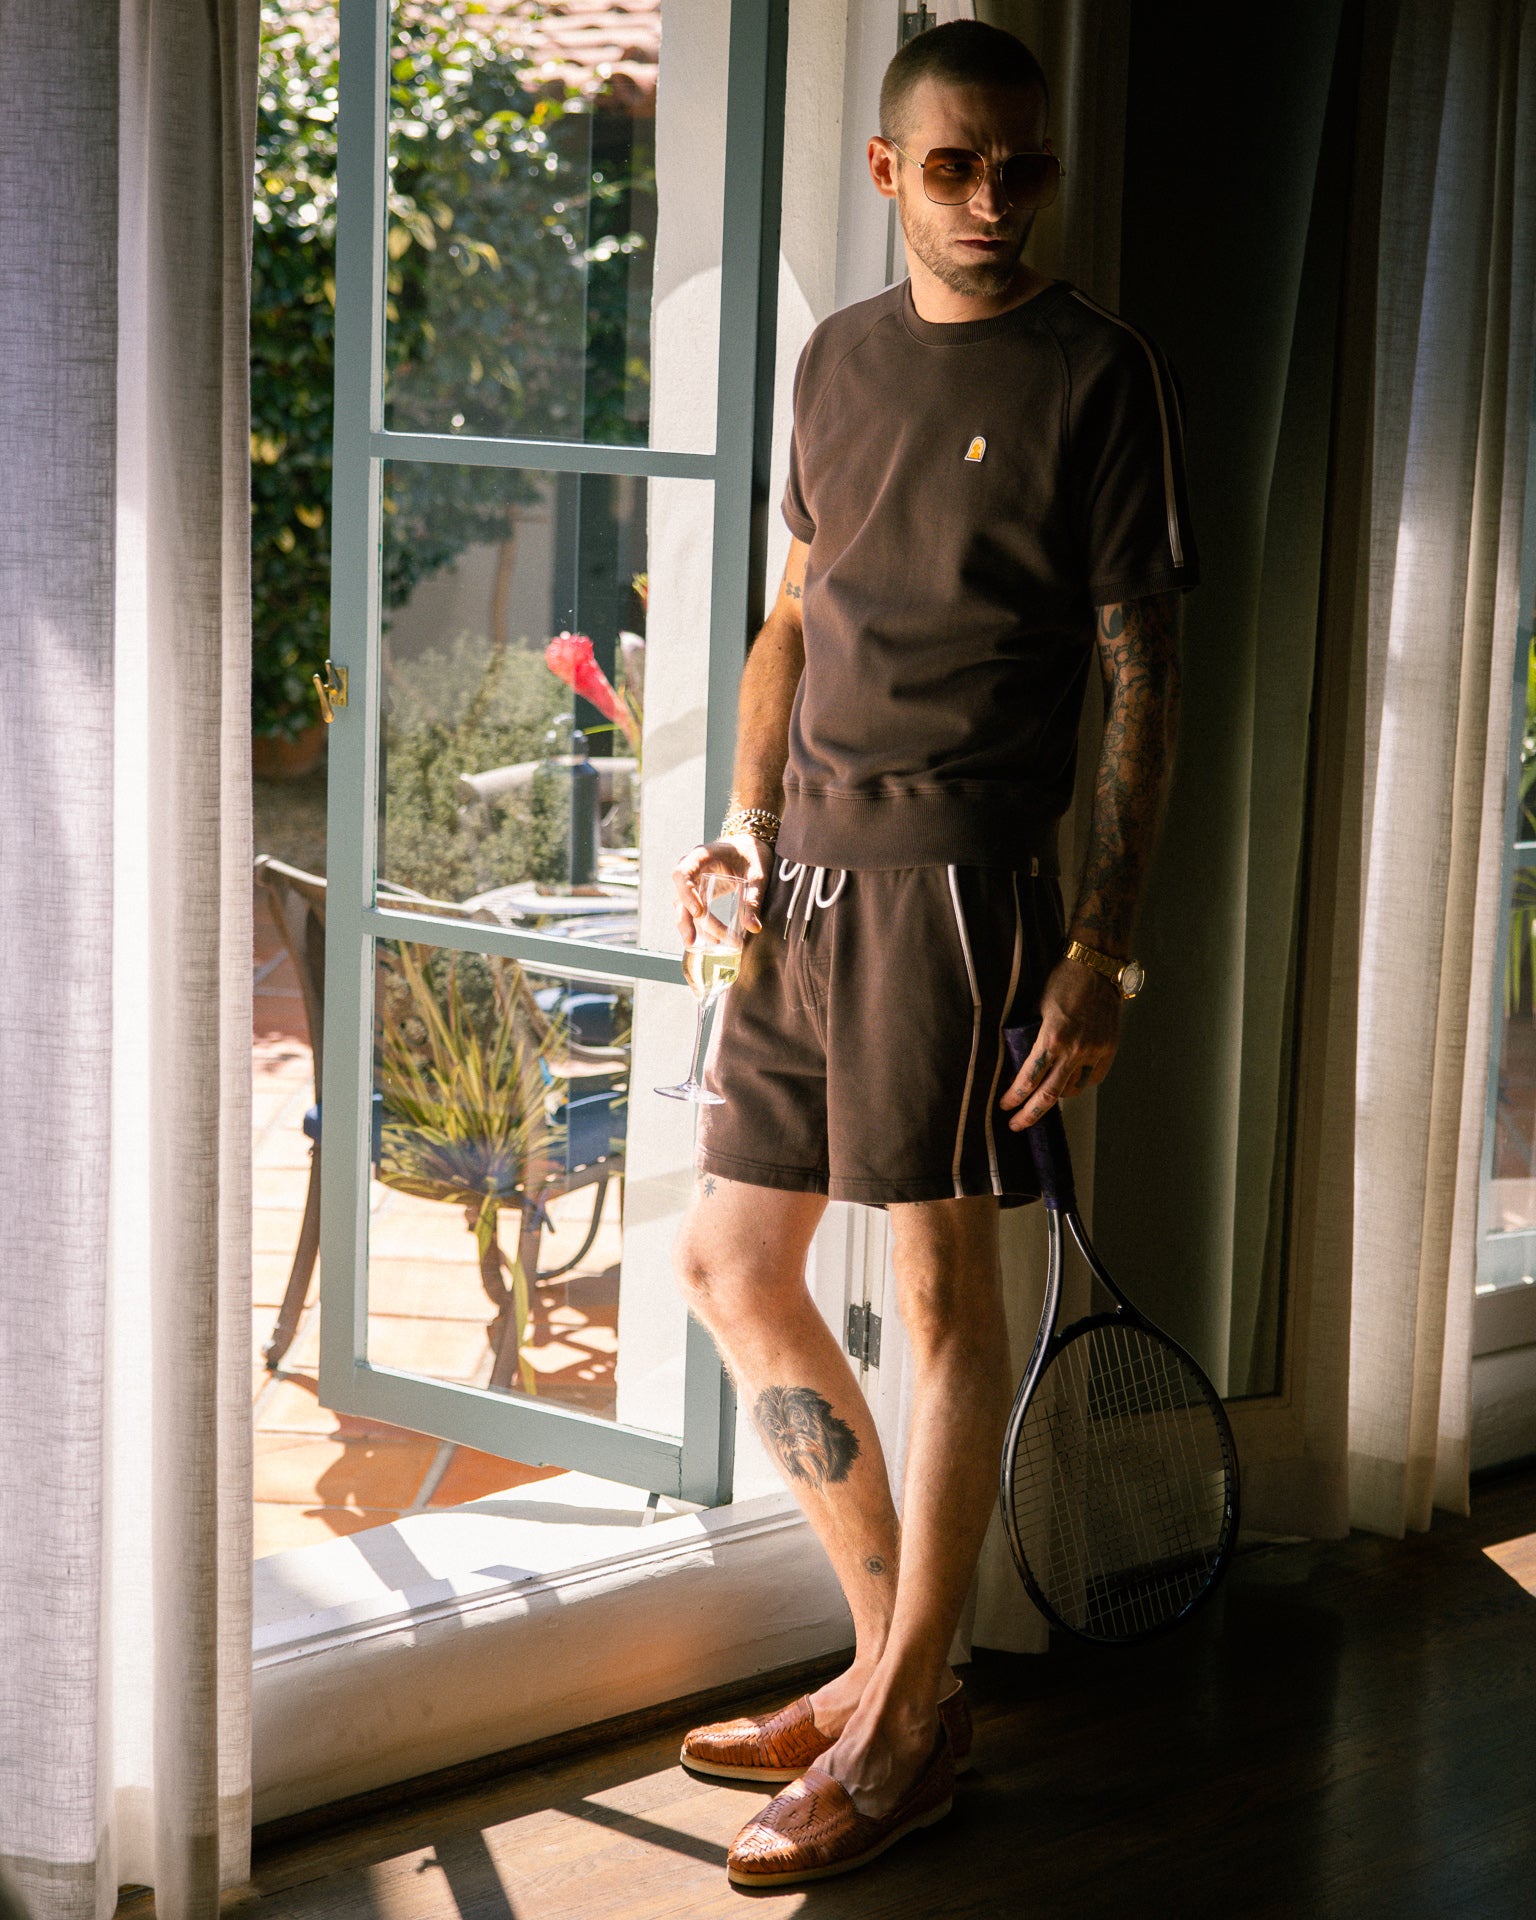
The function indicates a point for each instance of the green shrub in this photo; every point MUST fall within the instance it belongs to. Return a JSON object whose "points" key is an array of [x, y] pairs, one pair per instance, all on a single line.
{"points": [[465, 709], [511, 232]]}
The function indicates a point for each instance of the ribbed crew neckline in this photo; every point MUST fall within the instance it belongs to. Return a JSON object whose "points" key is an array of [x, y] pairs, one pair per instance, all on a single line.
{"points": [[964, 333]]}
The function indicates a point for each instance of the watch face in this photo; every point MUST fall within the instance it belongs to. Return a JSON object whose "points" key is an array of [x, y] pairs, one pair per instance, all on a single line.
{"points": [[1132, 979]]}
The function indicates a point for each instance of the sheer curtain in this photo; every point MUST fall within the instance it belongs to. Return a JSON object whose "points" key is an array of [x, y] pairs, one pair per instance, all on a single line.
{"points": [[1419, 566], [1452, 411], [126, 141]]}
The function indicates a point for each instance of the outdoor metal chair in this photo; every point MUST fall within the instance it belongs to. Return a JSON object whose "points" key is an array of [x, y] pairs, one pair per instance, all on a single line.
{"points": [[591, 1068]]}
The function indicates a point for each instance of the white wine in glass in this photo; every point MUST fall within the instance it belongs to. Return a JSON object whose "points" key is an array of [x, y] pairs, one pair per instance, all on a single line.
{"points": [[710, 966]]}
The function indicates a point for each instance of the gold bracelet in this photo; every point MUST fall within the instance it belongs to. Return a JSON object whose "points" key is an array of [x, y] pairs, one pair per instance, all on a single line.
{"points": [[760, 822]]}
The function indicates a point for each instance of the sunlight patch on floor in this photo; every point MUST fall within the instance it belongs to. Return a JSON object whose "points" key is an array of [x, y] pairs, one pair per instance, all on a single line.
{"points": [[1518, 1560]]}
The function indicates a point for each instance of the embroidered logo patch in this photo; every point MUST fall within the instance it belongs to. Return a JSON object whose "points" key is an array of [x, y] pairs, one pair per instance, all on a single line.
{"points": [[976, 449]]}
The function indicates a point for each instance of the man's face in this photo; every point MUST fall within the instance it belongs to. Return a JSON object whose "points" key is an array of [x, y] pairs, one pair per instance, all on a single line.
{"points": [[972, 249]]}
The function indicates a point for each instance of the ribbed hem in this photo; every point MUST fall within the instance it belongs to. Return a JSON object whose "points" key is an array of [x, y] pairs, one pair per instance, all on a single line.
{"points": [[964, 825]]}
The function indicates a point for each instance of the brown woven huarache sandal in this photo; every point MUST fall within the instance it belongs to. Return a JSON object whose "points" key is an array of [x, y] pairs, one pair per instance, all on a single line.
{"points": [[778, 1747], [812, 1830]]}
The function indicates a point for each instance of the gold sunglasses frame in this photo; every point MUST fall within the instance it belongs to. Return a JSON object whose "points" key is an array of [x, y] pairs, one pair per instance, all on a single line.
{"points": [[987, 167]]}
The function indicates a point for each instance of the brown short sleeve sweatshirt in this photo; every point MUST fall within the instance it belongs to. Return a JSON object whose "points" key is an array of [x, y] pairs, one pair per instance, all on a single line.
{"points": [[969, 493]]}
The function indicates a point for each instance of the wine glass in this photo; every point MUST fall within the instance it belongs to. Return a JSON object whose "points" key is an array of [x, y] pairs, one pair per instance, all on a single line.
{"points": [[710, 965]]}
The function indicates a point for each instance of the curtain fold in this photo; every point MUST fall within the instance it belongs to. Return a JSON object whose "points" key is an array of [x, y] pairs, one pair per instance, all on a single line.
{"points": [[127, 139], [1083, 46], [1388, 287], [1451, 419]]}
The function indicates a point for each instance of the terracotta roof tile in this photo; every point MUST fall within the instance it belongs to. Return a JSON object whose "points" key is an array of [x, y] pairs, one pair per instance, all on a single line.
{"points": [[594, 44]]}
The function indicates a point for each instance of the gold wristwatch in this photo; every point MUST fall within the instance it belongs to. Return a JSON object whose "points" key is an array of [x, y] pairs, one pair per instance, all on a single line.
{"points": [[1128, 975]]}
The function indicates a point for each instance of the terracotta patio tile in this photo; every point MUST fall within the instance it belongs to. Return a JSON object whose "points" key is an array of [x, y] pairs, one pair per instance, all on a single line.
{"points": [[269, 1278], [428, 1289], [423, 1230], [268, 1100], [275, 1230], [280, 1526], [442, 1349], [596, 1339], [294, 1408], [281, 1054], [471, 1474], [362, 1473], [284, 1144], [283, 1188], [553, 1357], [304, 1355]]}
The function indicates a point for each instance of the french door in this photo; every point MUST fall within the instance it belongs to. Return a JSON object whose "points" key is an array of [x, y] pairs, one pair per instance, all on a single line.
{"points": [[555, 290]]}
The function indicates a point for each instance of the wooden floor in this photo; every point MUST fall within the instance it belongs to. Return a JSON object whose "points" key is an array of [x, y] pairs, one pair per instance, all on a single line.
{"points": [[1349, 1731]]}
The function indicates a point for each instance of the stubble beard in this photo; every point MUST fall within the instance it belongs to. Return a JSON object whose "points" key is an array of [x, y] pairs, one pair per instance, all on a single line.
{"points": [[928, 239]]}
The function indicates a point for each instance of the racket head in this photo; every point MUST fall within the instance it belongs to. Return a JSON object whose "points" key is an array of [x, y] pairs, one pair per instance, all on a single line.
{"points": [[1120, 1482]]}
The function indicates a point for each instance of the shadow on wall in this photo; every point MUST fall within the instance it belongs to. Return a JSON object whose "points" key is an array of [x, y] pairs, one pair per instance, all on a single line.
{"points": [[1232, 258]]}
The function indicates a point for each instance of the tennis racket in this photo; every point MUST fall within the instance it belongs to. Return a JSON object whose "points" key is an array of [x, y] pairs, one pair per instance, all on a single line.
{"points": [[1119, 1476]]}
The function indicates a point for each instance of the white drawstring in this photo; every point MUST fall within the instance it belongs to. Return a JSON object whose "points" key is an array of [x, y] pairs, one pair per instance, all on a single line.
{"points": [[796, 870]]}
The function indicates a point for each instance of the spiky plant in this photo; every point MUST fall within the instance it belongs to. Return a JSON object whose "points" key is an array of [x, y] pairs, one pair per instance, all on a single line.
{"points": [[466, 1099]]}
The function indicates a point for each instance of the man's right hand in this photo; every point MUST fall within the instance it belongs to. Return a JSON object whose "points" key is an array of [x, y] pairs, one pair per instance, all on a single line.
{"points": [[745, 857]]}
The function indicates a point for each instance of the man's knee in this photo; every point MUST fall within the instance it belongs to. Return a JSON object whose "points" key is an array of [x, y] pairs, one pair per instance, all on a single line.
{"points": [[741, 1254], [704, 1275], [945, 1259]]}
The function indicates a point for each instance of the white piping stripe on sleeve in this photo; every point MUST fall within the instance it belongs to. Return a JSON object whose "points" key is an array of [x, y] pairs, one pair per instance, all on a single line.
{"points": [[1175, 540], [970, 1072], [1013, 981]]}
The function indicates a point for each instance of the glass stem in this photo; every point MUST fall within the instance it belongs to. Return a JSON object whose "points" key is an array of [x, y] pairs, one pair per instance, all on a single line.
{"points": [[701, 1039]]}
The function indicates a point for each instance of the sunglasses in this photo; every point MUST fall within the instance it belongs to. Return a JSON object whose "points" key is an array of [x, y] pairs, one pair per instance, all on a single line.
{"points": [[953, 175]]}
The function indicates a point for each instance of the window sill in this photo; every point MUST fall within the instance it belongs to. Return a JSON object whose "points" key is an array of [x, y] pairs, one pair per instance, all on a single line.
{"points": [[454, 1634]]}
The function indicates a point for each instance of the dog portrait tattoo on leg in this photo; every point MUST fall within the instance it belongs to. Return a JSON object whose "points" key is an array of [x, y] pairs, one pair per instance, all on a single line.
{"points": [[811, 1443]]}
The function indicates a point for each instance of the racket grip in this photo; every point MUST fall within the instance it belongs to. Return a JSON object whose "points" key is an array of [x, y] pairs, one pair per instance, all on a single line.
{"points": [[1048, 1136]]}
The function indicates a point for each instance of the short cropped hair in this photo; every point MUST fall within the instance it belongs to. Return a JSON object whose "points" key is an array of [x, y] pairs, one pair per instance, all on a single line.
{"points": [[961, 53]]}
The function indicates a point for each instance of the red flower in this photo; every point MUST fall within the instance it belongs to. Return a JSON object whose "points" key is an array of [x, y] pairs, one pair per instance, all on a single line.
{"points": [[569, 657]]}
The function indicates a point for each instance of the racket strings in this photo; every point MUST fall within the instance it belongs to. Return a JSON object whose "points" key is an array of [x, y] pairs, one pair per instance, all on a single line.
{"points": [[1120, 1483]]}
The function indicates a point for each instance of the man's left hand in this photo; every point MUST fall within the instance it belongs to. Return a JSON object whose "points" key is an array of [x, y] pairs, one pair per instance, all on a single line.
{"points": [[1079, 1032]]}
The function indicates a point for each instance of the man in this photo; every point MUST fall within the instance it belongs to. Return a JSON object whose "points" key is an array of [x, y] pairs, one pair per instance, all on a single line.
{"points": [[986, 487]]}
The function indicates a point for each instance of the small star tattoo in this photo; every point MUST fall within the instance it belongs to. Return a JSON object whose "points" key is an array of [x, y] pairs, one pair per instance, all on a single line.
{"points": [[709, 1185]]}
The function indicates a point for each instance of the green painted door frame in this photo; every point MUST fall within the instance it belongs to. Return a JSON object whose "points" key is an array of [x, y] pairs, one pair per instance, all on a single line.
{"points": [[699, 1467]]}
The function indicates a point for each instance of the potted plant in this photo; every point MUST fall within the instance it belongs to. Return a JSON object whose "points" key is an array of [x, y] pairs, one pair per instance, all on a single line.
{"points": [[466, 1098]]}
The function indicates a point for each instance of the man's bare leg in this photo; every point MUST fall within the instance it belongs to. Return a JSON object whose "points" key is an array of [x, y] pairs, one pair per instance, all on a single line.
{"points": [[945, 1254], [741, 1263]]}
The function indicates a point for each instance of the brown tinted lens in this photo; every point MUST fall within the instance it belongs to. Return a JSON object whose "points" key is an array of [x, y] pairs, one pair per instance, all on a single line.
{"points": [[951, 175], [1031, 179]]}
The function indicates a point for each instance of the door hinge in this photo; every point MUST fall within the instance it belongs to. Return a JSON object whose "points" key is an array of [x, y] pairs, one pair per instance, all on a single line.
{"points": [[864, 1334], [916, 20]]}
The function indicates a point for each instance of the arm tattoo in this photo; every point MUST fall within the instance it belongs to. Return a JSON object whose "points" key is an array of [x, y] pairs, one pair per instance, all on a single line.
{"points": [[1138, 642], [811, 1443], [874, 1564], [791, 591], [709, 1186]]}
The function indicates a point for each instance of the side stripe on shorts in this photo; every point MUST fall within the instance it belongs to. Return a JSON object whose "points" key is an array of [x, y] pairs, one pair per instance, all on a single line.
{"points": [[997, 1071], [970, 1072]]}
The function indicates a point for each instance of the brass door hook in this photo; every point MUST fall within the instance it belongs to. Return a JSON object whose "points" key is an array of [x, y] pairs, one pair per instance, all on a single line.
{"points": [[332, 690]]}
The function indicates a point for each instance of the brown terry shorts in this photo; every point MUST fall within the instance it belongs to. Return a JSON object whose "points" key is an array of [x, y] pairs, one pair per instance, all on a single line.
{"points": [[860, 1053]]}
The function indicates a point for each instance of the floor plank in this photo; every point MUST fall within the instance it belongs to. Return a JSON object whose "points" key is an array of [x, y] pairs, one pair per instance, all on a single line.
{"points": [[1349, 1730]]}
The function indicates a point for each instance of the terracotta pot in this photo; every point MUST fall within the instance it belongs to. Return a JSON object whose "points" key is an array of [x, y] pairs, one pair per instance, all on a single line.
{"points": [[274, 758]]}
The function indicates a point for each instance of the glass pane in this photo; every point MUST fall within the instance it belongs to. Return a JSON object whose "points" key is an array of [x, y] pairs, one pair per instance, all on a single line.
{"points": [[498, 1252], [1512, 1191], [546, 639], [555, 213]]}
